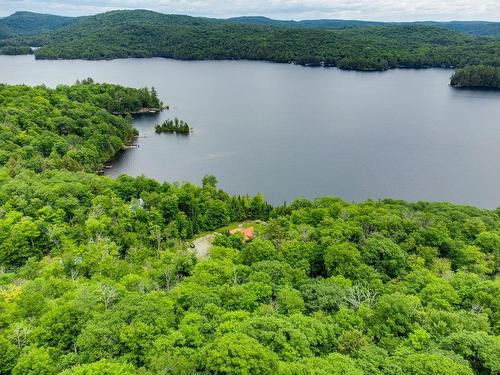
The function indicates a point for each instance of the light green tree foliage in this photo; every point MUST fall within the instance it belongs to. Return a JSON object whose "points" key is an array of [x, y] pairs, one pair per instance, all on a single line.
{"points": [[103, 367], [98, 275], [289, 301], [34, 361], [344, 260], [433, 364], [384, 255], [209, 180], [395, 315], [127, 329], [8, 355], [334, 364], [482, 350], [239, 354], [259, 250]]}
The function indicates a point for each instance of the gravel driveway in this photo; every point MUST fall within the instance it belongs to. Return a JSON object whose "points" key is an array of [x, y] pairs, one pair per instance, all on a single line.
{"points": [[203, 244]]}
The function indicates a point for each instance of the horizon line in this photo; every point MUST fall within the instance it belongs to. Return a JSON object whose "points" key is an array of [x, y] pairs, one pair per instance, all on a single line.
{"points": [[250, 16]]}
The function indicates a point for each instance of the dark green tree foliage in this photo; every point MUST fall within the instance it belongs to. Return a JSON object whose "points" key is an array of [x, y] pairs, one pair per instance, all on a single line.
{"points": [[173, 126], [478, 76], [29, 23], [139, 33], [478, 28], [98, 276], [114, 98], [16, 50]]}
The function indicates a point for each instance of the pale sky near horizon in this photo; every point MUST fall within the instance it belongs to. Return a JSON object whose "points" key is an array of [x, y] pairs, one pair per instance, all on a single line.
{"points": [[377, 10]]}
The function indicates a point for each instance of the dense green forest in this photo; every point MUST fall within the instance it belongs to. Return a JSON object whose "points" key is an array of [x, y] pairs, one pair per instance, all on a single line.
{"points": [[477, 28], [323, 23], [16, 50], [121, 34], [29, 23], [98, 276], [478, 76], [69, 127]]}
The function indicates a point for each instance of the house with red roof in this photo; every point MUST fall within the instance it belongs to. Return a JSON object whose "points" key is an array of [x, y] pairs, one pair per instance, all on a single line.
{"points": [[248, 233]]}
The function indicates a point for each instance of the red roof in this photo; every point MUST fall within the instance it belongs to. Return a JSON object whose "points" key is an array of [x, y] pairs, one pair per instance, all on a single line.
{"points": [[248, 233]]}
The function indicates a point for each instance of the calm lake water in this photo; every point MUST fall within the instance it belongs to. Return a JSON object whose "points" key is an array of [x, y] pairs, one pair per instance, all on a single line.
{"points": [[289, 131]]}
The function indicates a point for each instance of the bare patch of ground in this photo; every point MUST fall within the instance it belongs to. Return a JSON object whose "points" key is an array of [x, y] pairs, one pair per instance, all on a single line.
{"points": [[203, 244]]}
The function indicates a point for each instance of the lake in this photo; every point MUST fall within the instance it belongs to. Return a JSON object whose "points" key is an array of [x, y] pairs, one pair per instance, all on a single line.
{"points": [[288, 131]]}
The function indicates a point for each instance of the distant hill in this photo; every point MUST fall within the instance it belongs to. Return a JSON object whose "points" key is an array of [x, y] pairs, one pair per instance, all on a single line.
{"points": [[142, 33], [477, 28], [322, 23], [28, 23]]}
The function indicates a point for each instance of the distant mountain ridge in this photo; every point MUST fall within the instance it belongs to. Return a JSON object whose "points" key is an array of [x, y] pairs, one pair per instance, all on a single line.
{"points": [[319, 23], [477, 28], [31, 23], [355, 45]]}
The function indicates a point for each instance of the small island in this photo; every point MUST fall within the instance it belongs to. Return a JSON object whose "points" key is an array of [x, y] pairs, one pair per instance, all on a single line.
{"points": [[173, 126], [477, 76]]}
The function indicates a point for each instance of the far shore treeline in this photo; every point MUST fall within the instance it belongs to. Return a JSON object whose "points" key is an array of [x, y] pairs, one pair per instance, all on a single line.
{"points": [[140, 33]]}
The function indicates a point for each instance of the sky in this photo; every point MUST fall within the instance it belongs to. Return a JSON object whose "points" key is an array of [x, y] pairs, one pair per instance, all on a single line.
{"points": [[377, 10]]}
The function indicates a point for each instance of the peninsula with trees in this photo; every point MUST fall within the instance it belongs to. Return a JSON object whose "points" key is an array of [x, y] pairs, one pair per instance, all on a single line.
{"points": [[479, 76]]}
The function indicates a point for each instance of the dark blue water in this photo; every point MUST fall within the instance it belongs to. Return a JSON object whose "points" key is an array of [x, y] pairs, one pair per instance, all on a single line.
{"points": [[289, 131]]}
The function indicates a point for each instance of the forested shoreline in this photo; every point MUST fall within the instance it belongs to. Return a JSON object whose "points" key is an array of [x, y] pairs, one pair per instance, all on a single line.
{"points": [[97, 275], [143, 34], [70, 127], [480, 76]]}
